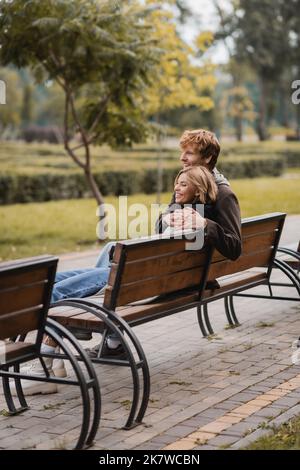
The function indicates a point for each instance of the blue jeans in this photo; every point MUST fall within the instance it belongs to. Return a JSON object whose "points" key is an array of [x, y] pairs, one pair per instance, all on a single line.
{"points": [[81, 283]]}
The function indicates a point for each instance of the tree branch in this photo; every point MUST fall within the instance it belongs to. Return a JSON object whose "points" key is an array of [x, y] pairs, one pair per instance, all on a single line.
{"points": [[98, 116], [82, 133], [66, 132]]}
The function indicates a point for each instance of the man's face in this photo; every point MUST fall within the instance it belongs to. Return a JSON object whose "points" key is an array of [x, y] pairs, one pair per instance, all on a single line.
{"points": [[190, 157]]}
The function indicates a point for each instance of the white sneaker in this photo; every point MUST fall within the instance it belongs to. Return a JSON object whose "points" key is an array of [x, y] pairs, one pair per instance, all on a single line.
{"points": [[59, 369], [57, 366], [32, 387]]}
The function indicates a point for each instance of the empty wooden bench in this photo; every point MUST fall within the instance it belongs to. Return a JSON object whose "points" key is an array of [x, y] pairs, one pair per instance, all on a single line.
{"points": [[25, 292]]}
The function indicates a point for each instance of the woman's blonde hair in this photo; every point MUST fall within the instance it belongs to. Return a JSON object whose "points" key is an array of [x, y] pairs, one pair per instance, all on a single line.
{"points": [[203, 181]]}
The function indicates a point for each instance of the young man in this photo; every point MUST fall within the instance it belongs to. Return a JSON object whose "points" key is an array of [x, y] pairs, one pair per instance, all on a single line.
{"points": [[222, 220]]}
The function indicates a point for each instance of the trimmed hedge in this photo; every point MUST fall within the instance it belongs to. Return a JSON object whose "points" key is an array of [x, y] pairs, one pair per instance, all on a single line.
{"points": [[15, 188], [290, 154]]}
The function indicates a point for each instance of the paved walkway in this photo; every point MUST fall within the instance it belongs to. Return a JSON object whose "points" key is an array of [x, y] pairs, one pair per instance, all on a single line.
{"points": [[214, 393]]}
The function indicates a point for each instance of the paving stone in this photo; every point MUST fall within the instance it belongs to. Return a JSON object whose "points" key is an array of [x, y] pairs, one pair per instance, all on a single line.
{"points": [[223, 440], [240, 429]]}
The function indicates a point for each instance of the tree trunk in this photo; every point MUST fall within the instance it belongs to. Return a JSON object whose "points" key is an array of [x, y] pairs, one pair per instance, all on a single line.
{"points": [[284, 119], [93, 186], [261, 123], [238, 129], [159, 172]]}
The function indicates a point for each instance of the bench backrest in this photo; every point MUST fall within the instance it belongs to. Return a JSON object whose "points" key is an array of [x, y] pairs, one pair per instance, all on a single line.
{"points": [[260, 238], [154, 266], [25, 293]]}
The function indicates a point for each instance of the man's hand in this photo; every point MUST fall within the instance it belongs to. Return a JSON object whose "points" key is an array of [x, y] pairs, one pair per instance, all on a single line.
{"points": [[186, 218]]}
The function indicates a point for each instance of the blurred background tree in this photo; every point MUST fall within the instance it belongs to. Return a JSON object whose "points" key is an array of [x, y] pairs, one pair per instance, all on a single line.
{"points": [[262, 34], [97, 53]]}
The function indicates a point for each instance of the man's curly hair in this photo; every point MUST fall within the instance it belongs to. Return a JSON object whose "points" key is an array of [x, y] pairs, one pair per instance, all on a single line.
{"points": [[204, 142]]}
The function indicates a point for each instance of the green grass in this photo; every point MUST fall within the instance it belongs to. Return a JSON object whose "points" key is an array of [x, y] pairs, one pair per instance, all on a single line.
{"points": [[53, 227], [262, 195], [65, 226], [284, 437]]}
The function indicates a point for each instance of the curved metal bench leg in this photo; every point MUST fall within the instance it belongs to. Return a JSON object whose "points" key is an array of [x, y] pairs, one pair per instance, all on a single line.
{"points": [[293, 254], [81, 381], [143, 364], [228, 311], [206, 318], [94, 384], [12, 409], [200, 321], [100, 312], [232, 311], [289, 272]]}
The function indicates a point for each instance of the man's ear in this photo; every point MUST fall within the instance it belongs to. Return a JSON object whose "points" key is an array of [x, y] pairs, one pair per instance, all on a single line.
{"points": [[207, 159]]}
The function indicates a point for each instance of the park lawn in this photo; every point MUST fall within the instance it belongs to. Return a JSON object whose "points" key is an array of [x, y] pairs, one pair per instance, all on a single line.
{"points": [[284, 437], [70, 225]]}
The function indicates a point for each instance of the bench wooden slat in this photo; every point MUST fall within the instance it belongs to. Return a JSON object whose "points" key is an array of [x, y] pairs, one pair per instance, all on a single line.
{"points": [[158, 286], [21, 297], [161, 264], [223, 268], [10, 350], [141, 249], [229, 283], [23, 278], [25, 289], [259, 228], [23, 320]]}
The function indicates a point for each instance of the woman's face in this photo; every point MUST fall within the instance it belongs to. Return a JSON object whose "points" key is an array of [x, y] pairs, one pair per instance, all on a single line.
{"points": [[184, 191]]}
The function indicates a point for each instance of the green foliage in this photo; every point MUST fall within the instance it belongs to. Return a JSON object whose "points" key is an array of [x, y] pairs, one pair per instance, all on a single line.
{"points": [[284, 437]]}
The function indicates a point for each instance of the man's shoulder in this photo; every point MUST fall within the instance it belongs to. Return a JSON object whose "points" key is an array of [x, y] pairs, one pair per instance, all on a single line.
{"points": [[224, 190]]}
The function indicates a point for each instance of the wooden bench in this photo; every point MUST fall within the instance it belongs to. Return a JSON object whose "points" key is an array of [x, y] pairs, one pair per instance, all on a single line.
{"points": [[25, 292], [181, 279]]}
